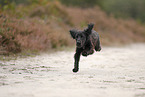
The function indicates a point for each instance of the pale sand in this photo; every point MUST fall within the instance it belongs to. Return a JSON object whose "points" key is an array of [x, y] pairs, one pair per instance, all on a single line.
{"points": [[113, 72]]}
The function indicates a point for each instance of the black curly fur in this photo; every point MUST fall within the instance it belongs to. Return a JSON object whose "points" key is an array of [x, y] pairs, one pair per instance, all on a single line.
{"points": [[86, 41]]}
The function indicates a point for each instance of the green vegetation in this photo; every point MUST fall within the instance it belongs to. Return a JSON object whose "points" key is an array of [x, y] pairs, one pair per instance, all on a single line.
{"points": [[125, 8], [82, 3], [119, 8]]}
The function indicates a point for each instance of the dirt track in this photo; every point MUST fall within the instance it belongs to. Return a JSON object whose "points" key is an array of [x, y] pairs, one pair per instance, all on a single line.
{"points": [[113, 72]]}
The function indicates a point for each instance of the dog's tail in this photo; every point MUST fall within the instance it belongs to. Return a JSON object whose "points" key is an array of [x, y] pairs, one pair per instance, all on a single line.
{"points": [[90, 26], [89, 29]]}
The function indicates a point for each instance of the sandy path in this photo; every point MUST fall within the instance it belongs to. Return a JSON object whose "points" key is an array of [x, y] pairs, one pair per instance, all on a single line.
{"points": [[113, 72]]}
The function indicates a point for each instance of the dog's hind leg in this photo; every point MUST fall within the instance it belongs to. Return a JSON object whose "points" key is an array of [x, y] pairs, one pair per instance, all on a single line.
{"points": [[98, 46]]}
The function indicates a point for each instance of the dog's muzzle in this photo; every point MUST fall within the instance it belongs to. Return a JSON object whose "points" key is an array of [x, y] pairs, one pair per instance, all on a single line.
{"points": [[78, 44]]}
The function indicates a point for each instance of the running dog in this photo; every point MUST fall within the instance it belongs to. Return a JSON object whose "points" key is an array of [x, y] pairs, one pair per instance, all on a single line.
{"points": [[86, 41]]}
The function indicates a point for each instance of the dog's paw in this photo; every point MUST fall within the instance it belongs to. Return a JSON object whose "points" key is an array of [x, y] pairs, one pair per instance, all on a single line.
{"points": [[91, 52], [75, 70], [84, 54], [98, 48]]}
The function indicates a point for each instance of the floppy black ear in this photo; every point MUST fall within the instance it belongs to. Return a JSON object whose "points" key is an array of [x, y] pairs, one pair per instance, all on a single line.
{"points": [[73, 33], [88, 31]]}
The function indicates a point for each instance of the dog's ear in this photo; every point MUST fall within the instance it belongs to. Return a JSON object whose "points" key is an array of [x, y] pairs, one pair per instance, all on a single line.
{"points": [[73, 33], [88, 31]]}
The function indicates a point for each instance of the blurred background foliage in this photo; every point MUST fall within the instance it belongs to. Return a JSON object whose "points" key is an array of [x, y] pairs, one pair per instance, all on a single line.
{"points": [[118, 8], [40, 25]]}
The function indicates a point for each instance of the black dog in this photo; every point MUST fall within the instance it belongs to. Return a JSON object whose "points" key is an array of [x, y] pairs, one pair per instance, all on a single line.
{"points": [[86, 41]]}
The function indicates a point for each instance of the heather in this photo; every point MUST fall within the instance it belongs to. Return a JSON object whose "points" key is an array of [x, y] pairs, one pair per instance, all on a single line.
{"points": [[45, 26]]}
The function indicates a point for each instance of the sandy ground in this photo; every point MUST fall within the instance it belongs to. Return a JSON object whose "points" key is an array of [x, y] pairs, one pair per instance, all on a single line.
{"points": [[113, 72]]}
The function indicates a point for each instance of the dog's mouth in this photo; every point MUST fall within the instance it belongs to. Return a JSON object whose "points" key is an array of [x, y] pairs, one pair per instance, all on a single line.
{"points": [[79, 45]]}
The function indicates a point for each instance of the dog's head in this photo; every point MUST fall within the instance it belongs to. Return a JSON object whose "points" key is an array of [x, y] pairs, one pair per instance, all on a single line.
{"points": [[81, 36]]}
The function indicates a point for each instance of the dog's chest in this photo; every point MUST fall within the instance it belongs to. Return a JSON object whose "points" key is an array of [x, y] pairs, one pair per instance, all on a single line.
{"points": [[87, 46]]}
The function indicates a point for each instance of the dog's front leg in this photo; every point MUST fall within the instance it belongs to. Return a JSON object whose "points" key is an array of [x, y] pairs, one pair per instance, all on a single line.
{"points": [[76, 58]]}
